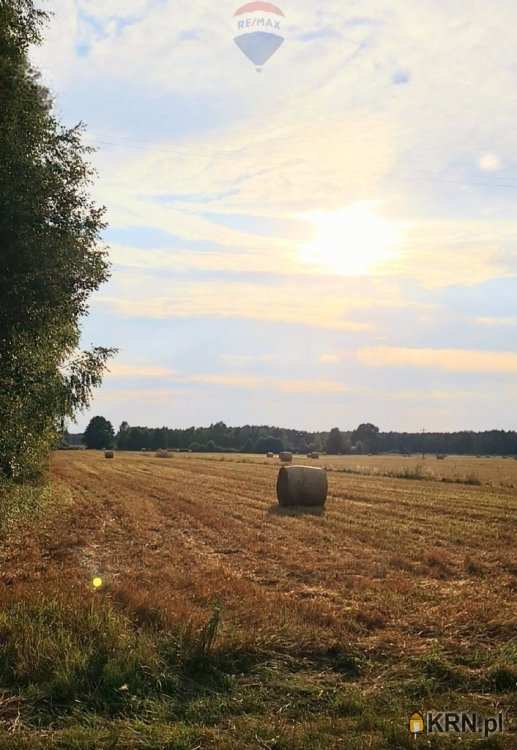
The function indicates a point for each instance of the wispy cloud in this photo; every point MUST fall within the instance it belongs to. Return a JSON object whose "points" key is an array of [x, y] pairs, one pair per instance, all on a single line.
{"points": [[496, 322], [244, 360], [451, 360], [329, 359], [283, 302], [441, 253], [129, 371], [250, 382], [223, 379], [137, 396]]}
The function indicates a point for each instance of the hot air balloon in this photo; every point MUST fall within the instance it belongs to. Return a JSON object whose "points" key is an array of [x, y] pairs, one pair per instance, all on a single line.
{"points": [[259, 33]]}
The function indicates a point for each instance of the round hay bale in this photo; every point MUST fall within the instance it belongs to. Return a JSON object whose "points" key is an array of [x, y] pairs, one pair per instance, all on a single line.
{"points": [[109, 454], [270, 455], [314, 455], [162, 454], [305, 486], [285, 457]]}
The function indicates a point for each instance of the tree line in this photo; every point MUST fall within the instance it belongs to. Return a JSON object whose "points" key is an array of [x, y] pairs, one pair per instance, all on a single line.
{"points": [[218, 437]]}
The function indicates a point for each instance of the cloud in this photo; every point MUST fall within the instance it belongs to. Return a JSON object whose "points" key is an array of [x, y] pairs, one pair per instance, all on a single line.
{"points": [[310, 302], [243, 360], [424, 395], [318, 141], [435, 253], [280, 168], [103, 10], [450, 360], [230, 260], [143, 40], [312, 386], [232, 381], [121, 370], [495, 322], [250, 382], [442, 253], [137, 395], [226, 380]]}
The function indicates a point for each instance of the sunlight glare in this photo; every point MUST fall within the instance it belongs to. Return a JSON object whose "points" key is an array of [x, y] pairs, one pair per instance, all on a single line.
{"points": [[353, 241]]}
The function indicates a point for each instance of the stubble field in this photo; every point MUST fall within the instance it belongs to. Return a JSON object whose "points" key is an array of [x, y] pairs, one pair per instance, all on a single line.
{"points": [[225, 623]]}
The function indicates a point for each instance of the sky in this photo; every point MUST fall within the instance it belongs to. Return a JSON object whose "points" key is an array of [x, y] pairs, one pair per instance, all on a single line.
{"points": [[328, 241]]}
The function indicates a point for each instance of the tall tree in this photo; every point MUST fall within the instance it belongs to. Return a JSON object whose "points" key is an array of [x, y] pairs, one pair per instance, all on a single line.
{"points": [[51, 260], [367, 435], [335, 441], [123, 436], [99, 434]]}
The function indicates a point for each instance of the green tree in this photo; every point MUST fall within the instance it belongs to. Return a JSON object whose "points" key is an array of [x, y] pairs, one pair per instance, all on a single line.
{"points": [[51, 260], [336, 442], [99, 434], [123, 436], [368, 436]]}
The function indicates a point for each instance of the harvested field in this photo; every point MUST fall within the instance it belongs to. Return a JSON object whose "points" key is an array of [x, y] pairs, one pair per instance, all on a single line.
{"points": [[302, 629], [495, 471]]}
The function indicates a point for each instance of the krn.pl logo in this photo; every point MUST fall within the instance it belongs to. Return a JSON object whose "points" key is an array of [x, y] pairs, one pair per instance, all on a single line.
{"points": [[416, 724]]}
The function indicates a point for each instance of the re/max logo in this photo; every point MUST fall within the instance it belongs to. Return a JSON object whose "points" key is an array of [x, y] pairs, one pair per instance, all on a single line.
{"points": [[264, 23], [457, 722]]}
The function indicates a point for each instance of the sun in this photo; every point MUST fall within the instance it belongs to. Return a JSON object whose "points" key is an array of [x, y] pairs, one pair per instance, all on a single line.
{"points": [[353, 241]]}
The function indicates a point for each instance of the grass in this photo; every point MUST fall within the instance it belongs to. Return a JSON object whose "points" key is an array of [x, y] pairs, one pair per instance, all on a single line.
{"points": [[223, 625], [415, 472], [470, 470], [108, 681], [18, 502]]}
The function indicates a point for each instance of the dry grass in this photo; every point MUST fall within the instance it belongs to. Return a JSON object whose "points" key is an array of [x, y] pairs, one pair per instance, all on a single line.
{"points": [[495, 472], [312, 627]]}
